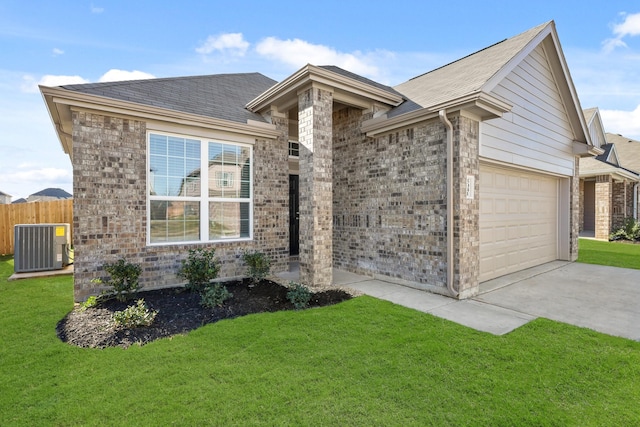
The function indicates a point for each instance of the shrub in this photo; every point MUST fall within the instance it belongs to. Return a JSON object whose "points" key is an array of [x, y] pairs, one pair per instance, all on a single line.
{"points": [[214, 295], [259, 265], [135, 315], [92, 301], [123, 280], [629, 231], [299, 295], [199, 269]]}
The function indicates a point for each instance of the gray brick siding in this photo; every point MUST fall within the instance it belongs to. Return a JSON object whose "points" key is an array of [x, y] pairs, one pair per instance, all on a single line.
{"points": [[110, 219]]}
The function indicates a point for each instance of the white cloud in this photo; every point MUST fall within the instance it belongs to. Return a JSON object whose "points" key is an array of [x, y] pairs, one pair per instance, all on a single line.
{"points": [[96, 9], [298, 52], [30, 85], [57, 51], [115, 75], [625, 123], [610, 44], [24, 182], [630, 26], [40, 175], [231, 43]]}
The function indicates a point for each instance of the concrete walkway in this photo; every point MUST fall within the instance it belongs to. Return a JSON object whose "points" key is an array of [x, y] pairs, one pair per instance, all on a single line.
{"points": [[605, 299]]}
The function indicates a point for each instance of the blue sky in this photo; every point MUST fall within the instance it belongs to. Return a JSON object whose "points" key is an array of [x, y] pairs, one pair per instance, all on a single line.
{"points": [[54, 43]]}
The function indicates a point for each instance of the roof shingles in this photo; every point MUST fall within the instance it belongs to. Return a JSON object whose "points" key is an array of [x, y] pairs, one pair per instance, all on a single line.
{"points": [[221, 96]]}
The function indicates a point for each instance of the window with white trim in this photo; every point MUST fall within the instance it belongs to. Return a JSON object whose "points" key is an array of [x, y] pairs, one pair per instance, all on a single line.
{"points": [[181, 209]]}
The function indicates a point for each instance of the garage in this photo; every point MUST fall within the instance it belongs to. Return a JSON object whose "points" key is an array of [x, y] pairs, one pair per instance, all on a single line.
{"points": [[518, 220]]}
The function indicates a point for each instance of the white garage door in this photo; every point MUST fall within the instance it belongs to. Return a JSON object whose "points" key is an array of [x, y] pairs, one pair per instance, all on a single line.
{"points": [[518, 220]]}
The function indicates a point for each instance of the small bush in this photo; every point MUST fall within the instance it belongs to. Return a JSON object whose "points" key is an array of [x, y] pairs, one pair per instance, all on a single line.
{"points": [[214, 295], [123, 280], [199, 269], [299, 295], [629, 231], [92, 301], [135, 315], [258, 264]]}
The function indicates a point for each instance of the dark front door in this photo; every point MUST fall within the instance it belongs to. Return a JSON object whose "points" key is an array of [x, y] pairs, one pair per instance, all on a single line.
{"points": [[294, 215], [589, 206]]}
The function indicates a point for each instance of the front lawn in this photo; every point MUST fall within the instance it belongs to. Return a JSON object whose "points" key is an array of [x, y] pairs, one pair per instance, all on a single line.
{"points": [[615, 254], [361, 362]]}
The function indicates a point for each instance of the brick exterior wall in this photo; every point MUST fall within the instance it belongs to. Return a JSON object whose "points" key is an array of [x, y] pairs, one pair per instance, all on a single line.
{"points": [[110, 218], [389, 200], [375, 206], [622, 200]]}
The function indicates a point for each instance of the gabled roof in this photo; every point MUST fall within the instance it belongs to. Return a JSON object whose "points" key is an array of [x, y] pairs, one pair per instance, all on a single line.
{"points": [[462, 77], [468, 83], [20, 200], [4, 194], [58, 193], [628, 150], [221, 96], [595, 126], [348, 88], [589, 114], [609, 155], [606, 163]]}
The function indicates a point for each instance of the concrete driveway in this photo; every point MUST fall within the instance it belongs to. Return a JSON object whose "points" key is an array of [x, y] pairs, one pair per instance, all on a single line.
{"points": [[605, 299]]}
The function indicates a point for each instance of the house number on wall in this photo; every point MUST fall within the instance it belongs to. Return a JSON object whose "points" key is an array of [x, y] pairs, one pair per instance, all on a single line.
{"points": [[471, 185]]}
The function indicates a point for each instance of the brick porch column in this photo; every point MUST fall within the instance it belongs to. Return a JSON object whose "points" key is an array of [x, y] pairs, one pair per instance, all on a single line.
{"points": [[315, 109], [466, 205], [604, 206]]}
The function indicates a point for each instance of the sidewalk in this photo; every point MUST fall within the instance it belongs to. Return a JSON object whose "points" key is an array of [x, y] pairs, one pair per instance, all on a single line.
{"points": [[605, 299]]}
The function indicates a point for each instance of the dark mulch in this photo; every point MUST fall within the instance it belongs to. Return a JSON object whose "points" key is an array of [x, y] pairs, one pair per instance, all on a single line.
{"points": [[179, 311]]}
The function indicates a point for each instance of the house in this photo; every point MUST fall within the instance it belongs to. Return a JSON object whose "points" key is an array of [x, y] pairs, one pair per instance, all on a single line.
{"points": [[608, 181], [457, 176], [5, 199], [49, 194], [20, 200]]}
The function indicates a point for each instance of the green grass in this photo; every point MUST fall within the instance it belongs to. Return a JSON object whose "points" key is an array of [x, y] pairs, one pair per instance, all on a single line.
{"points": [[615, 254], [362, 362]]}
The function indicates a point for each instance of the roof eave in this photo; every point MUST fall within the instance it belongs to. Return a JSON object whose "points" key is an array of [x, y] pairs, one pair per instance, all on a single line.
{"points": [[309, 74], [618, 175], [582, 149], [60, 102], [481, 104]]}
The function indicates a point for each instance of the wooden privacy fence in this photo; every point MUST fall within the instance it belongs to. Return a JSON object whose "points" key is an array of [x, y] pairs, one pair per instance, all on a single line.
{"points": [[51, 212]]}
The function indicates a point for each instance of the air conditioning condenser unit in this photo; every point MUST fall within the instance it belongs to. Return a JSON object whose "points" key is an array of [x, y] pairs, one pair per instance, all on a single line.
{"points": [[41, 247]]}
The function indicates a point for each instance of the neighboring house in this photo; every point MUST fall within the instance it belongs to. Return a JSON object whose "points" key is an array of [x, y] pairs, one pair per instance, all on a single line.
{"points": [[5, 199], [457, 176], [49, 194], [20, 200], [608, 181]]}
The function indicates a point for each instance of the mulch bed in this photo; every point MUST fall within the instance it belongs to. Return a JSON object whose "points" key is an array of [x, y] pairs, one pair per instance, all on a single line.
{"points": [[179, 311]]}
